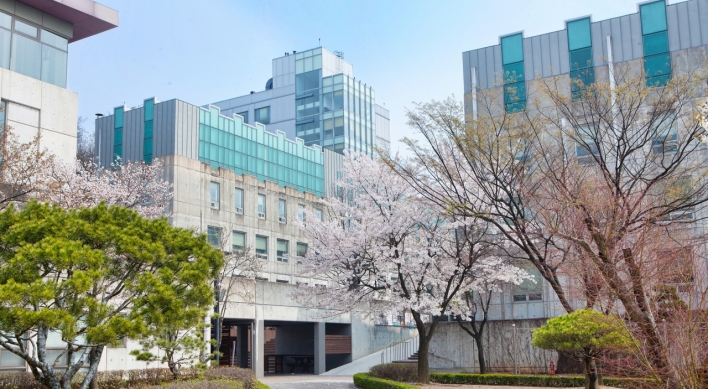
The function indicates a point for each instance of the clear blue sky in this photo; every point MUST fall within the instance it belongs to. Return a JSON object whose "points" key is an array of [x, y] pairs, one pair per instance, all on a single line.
{"points": [[210, 50]]}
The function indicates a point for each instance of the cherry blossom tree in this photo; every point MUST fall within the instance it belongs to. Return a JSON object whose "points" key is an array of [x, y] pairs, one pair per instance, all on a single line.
{"points": [[383, 245], [134, 185]]}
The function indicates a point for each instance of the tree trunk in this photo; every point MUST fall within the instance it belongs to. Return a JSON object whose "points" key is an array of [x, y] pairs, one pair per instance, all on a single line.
{"points": [[423, 365], [94, 382], [480, 354], [591, 374]]}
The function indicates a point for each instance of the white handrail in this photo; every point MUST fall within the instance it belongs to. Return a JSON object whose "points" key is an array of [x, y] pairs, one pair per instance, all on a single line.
{"points": [[397, 351]]}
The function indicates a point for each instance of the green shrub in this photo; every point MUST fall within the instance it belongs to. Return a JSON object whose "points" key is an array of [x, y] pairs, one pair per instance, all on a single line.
{"points": [[535, 380], [401, 372], [262, 385], [365, 381], [233, 373]]}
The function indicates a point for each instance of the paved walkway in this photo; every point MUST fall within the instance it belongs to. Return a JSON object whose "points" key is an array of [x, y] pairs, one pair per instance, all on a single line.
{"points": [[289, 381]]}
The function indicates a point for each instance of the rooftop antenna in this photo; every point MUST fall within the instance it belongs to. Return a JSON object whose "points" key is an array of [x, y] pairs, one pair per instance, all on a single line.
{"points": [[319, 43]]}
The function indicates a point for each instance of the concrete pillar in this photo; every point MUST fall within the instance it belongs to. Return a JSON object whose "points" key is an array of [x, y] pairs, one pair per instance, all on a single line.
{"points": [[257, 357], [320, 355]]}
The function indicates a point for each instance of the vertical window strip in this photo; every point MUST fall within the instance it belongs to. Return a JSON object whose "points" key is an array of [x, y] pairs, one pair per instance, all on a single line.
{"points": [[655, 41], [582, 73], [513, 68], [148, 114], [118, 134]]}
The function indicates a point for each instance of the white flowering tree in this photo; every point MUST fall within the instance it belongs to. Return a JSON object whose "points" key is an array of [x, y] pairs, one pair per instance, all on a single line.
{"points": [[381, 244], [134, 185]]}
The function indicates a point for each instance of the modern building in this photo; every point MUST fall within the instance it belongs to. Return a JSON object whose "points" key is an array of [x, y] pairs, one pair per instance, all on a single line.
{"points": [[659, 39], [313, 95], [244, 186], [34, 51]]}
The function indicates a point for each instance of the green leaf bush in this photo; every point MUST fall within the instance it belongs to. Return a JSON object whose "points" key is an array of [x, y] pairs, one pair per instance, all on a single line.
{"points": [[401, 372], [537, 380], [365, 381]]}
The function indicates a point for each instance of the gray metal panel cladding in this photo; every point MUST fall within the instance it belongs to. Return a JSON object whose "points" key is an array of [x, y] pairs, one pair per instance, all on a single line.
{"points": [[498, 70], [527, 45], [563, 52], [694, 24], [104, 141], [554, 52], [477, 58], [537, 58], [490, 66], [545, 55], [598, 42], [673, 27], [616, 32], [684, 25], [163, 128], [626, 28], [703, 20], [637, 44]]}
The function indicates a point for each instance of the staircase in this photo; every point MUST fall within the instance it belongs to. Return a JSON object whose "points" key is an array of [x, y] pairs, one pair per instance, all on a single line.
{"points": [[402, 352]]}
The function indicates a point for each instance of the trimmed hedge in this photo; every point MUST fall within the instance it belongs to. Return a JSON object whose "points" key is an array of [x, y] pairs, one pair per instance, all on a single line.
{"points": [[400, 372], [365, 381], [536, 380]]}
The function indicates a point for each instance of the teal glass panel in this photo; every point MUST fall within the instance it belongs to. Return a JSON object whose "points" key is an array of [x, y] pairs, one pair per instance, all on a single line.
{"points": [[656, 43], [149, 109], [512, 49], [582, 78], [581, 59], [148, 129], [657, 65], [653, 17], [516, 107], [658, 80], [515, 92], [579, 34], [118, 136], [118, 117], [514, 73], [118, 151]]}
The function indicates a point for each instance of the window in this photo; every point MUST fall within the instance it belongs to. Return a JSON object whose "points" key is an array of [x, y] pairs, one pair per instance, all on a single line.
{"points": [[238, 200], [513, 68], [318, 212], [582, 72], [118, 134], [263, 115], [301, 212], [665, 138], [282, 250], [261, 206], [677, 195], [148, 111], [238, 240], [244, 115], [262, 247], [585, 145], [657, 60], [282, 211], [214, 236], [301, 249], [214, 195], [307, 80], [3, 115], [529, 289]]}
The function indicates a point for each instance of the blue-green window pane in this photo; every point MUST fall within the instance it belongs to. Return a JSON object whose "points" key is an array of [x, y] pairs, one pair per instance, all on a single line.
{"points": [[656, 43], [149, 109], [581, 59], [515, 92], [26, 56], [515, 107], [579, 34], [118, 117], [118, 136], [148, 129], [512, 49], [653, 17], [513, 73], [118, 151], [657, 65], [582, 78], [147, 147], [658, 80]]}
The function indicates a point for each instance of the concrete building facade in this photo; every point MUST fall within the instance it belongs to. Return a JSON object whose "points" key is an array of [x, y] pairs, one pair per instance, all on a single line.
{"points": [[34, 45], [659, 40], [313, 95], [244, 186]]}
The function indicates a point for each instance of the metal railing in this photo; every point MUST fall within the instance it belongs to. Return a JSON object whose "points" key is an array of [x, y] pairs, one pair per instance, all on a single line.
{"points": [[398, 351]]}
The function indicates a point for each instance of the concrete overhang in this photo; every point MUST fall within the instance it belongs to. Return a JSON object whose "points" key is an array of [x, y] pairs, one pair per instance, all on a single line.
{"points": [[87, 16]]}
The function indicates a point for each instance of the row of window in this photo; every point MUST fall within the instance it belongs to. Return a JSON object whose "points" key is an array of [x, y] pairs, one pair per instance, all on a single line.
{"points": [[238, 243], [30, 50], [215, 203], [262, 115]]}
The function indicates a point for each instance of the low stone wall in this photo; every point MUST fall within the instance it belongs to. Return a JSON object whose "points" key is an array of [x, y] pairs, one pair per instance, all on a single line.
{"points": [[505, 346]]}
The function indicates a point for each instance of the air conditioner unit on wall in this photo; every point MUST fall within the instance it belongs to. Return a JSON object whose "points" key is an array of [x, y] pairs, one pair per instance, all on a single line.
{"points": [[239, 210], [214, 204], [261, 215], [282, 220]]}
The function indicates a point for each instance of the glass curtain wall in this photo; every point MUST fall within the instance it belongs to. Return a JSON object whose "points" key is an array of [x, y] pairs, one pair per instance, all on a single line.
{"points": [[655, 38], [582, 72], [28, 49], [118, 134], [148, 113], [229, 143], [512, 47], [335, 112]]}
